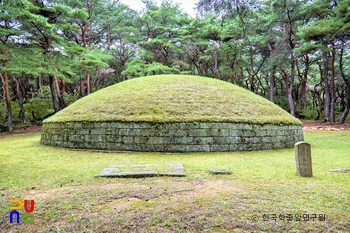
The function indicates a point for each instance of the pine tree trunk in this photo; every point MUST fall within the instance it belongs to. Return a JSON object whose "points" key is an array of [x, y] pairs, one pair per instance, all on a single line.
{"points": [[327, 101], [22, 115], [53, 94], [304, 82], [233, 77], [63, 91], [216, 66], [272, 84], [108, 38], [8, 102], [88, 81], [347, 83], [40, 84], [291, 86], [347, 105], [272, 75], [332, 88], [7, 93], [97, 79], [250, 70], [58, 93], [82, 87]]}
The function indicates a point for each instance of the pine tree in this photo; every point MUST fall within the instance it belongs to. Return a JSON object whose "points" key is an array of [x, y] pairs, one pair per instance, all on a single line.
{"points": [[329, 24], [14, 41]]}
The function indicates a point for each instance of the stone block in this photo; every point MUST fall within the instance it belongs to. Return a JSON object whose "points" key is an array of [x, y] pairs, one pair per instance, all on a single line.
{"points": [[156, 140], [140, 125], [124, 132], [75, 138], [182, 140], [135, 132], [241, 146], [84, 131], [128, 140], [201, 141], [178, 133], [281, 132], [100, 146], [110, 131], [288, 144], [222, 140], [236, 140], [171, 133], [246, 127], [165, 126], [214, 125], [98, 131], [120, 125], [77, 125], [197, 148], [141, 140], [189, 126], [103, 124], [214, 148], [266, 139], [277, 145], [113, 146], [220, 132], [94, 138], [160, 133], [206, 125], [262, 133], [174, 148], [199, 133], [248, 133], [235, 132], [110, 138]]}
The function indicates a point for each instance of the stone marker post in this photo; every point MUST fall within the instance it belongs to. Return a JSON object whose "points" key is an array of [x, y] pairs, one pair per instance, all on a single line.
{"points": [[303, 159]]}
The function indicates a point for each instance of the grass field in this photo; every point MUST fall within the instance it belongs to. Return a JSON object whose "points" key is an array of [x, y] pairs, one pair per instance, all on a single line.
{"points": [[69, 199]]}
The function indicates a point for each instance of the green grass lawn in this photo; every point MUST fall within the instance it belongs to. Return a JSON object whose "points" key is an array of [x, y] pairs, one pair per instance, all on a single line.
{"points": [[175, 98], [68, 198]]}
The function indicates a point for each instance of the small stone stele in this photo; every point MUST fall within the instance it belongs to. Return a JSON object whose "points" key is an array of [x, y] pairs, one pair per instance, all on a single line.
{"points": [[303, 159], [220, 171]]}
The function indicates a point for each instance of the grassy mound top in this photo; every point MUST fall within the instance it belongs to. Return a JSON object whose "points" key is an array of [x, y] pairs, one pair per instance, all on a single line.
{"points": [[175, 98]]}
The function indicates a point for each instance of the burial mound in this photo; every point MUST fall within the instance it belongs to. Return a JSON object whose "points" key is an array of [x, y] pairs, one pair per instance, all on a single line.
{"points": [[172, 113]]}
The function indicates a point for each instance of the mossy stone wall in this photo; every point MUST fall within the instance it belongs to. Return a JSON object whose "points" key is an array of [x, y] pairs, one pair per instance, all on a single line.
{"points": [[170, 137]]}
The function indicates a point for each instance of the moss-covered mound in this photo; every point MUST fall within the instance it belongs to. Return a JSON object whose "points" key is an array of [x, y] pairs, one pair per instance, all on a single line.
{"points": [[175, 98]]}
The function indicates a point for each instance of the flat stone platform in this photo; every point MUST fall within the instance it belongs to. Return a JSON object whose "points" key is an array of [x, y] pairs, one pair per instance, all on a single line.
{"points": [[142, 170], [341, 170]]}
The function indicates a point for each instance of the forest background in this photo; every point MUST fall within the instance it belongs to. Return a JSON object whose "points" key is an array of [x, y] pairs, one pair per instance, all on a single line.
{"points": [[294, 53]]}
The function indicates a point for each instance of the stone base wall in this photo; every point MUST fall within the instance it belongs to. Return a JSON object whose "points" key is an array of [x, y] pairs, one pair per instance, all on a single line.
{"points": [[170, 137]]}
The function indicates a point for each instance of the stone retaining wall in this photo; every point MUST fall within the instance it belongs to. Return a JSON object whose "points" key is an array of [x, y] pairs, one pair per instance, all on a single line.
{"points": [[170, 137]]}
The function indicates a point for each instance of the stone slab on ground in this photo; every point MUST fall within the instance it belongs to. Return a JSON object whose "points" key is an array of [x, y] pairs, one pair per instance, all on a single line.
{"points": [[130, 174], [142, 170], [341, 170], [220, 171]]}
